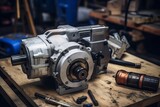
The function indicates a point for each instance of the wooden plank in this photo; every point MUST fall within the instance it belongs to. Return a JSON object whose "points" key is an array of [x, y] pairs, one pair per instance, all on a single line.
{"points": [[29, 17], [14, 100], [106, 91], [150, 28], [16, 88]]}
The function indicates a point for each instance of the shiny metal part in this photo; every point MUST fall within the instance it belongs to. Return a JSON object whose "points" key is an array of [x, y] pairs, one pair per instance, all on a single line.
{"points": [[70, 55], [118, 45]]}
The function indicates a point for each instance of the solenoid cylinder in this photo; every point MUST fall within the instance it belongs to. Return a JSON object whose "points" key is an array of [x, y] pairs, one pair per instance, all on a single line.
{"points": [[137, 80]]}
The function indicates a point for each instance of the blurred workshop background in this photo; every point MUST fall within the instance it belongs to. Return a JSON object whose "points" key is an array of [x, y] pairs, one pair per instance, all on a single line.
{"points": [[26, 18]]}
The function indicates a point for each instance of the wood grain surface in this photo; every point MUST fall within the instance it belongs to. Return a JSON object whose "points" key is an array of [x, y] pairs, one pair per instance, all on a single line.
{"points": [[106, 91]]}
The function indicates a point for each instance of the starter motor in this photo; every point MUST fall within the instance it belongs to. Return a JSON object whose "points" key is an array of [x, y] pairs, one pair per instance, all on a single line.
{"points": [[69, 55]]}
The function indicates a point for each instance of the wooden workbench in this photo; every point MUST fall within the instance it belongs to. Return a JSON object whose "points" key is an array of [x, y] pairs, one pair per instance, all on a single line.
{"points": [[106, 91], [102, 17]]}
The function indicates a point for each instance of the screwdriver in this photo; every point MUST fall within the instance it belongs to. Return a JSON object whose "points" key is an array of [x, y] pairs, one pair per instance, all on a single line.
{"points": [[51, 100]]}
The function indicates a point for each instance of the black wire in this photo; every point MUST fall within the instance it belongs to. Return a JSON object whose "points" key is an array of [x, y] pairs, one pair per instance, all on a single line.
{"points": [[127, 4]]}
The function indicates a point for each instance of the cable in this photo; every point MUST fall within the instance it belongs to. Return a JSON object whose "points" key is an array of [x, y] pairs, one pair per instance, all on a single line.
{"points": [[127, 4]]}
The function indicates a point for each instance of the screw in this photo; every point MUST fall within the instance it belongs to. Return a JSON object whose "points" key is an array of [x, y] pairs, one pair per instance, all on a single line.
{"points": [[66, 82], [86, 58]]}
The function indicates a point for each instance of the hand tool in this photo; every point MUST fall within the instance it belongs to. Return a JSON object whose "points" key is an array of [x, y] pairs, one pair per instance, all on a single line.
{"points": [[93, 99], [51, 100]]}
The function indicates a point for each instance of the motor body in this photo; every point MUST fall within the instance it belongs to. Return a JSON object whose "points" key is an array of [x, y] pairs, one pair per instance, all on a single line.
{"points": [[69, 55]]}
